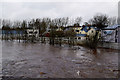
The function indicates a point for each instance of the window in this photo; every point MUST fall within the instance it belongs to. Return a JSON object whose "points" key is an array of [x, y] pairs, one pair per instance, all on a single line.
{"points": [[105, 32], [35, 32], [92, 31], [116, 32], [31, 32], [86, 38], [77, 30], [48, 30], [30, 35], [79, 37], [87, 28], [115, 40]]}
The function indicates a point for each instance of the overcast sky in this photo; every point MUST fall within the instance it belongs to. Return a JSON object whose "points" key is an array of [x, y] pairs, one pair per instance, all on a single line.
{"points": [[19, 9]]}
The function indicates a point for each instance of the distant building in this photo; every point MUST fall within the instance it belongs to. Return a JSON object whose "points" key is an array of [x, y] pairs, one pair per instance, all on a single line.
{"points": [[83, 32], [47, 32], [59, 29], [19, 33], [111, 34], [32, 32], [12, 34], [0, 33], [118, 34]]}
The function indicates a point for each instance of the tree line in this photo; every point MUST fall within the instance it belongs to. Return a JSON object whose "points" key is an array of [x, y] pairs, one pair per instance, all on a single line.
{"points": [[99, 20]]}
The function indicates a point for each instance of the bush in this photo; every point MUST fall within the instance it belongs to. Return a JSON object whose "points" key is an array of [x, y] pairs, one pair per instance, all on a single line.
{"points": [[92, 42]]}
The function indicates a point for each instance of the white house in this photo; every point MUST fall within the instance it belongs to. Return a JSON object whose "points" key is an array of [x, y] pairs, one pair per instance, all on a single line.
{"points": [[0, 33], [111, 34], [33, 32]]}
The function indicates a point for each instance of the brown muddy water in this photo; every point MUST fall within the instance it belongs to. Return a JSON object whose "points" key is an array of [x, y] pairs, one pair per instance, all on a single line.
{"points": [[37, 60]]}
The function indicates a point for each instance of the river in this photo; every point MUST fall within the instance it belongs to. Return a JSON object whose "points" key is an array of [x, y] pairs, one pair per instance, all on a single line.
{"points": [[38, 60]]}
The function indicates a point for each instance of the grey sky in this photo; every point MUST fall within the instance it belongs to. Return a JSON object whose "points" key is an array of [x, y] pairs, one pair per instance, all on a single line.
{"points": [[28, 10]]}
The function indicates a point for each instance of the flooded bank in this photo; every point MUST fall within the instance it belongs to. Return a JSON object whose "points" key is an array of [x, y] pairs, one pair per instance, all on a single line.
{"points": [[37, 60]]}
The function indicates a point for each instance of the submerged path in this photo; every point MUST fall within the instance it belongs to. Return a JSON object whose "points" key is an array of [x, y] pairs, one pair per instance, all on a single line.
{"points": [[45, 61]]}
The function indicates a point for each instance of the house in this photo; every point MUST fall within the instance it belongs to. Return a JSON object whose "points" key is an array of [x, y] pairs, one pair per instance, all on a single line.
{"points": [[47, 32], [59, 29], [117, 37], [83, 32], [12, 34], [111, 34], [19, 33], [0, 33], [31, 32]]}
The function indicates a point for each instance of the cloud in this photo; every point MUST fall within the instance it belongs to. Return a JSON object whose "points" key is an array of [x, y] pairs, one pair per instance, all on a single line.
{"points": [[29, 10], [59, 0]]}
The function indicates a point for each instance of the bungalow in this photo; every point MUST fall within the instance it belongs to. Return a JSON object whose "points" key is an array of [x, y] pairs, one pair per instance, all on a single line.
{"points": [[111, 34]]}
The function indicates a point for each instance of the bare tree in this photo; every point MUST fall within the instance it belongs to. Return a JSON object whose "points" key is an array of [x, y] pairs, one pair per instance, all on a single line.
{"points": [[31, 23], [71, 21], [78, 20], [24, 24], [70, 34], [47, 21], [17, 24], [6, 23], [64, 21], [100, 21], [112, 21]]}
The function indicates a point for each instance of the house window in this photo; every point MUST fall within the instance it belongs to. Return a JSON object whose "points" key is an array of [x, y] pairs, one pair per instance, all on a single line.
{"points": [[92, 31], [105, 32], [86, 38], [116, 32], [35, 32], [30, 35], [30, 32], [79, 37], [77, 30], [115, 40], [48, 30]]}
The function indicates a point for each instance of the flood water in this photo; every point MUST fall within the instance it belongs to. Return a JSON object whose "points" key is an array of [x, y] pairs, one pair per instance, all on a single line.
{"points": [[38, 60]]}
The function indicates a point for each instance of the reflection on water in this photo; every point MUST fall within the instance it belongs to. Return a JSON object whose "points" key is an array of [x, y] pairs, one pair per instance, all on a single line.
{"points": [[31, 59]]}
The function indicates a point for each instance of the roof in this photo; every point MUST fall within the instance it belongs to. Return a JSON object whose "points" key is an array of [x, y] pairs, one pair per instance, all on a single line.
{"points": [[83, 35], [112, 27], [85, 29]]}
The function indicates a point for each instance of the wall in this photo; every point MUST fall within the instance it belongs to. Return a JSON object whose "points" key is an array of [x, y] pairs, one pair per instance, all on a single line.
{"points": [[110, 45], [108, 37]]}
